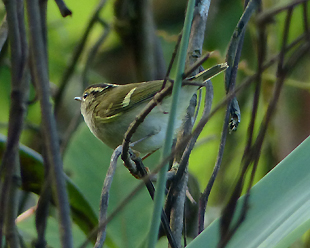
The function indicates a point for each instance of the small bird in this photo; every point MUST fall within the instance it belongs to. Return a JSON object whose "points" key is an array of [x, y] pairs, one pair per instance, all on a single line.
{"points": [[109, 109]]}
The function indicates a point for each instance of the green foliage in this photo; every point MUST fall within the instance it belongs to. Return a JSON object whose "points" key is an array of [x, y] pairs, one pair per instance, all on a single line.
{"points": [[32, 173], [87, 161], [278, 208], [278, 211]]}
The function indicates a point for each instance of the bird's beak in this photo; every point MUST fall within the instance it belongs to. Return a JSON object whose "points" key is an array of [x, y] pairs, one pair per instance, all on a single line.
{"points": [[78, 98]]}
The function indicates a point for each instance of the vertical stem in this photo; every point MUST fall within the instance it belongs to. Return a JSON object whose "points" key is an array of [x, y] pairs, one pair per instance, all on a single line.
{"points": [[177, 211], [179, 185], [161, 184], [10, 167], [38, 53]]}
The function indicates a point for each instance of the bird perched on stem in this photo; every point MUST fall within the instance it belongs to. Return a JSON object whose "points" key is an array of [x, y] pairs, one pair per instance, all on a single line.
{"points": [[108, 110]]}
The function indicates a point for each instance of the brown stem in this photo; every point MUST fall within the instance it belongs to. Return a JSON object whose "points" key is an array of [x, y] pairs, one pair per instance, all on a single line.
{"points": [[51, 140], [10, 167]]}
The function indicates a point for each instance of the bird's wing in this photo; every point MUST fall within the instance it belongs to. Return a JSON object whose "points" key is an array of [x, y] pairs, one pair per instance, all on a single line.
{"points": [[125, 97]]}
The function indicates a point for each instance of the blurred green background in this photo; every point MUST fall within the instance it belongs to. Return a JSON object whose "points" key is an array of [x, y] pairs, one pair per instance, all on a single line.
{"points": [[86, 159]]}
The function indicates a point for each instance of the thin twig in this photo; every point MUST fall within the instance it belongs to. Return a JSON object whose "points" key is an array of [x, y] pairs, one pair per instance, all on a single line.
{"points": [[10, 166], [151, 189], [230, 82], [191, 144], [116, 211], [305, 18], [246, 82], [136, 28], [3, 32], [64, 11], [177, 190], [105, 197], [48, 121], [261, 57], [76, 55], [268, 15], [141, 171], [174, 54], [196, 132], [180, 67], [176, 197], [196, 65], [282, 72], [199, 100], [143, 114], [233, 57], [139, 119], [258, 144], [152, 104], [198, 129], [42, 211], [127, 199]]}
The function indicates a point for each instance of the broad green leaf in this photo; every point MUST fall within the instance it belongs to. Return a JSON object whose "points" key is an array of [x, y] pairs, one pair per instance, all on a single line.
{"points": [[279, 208], [32, 171], [86, 161], [52, 237]]}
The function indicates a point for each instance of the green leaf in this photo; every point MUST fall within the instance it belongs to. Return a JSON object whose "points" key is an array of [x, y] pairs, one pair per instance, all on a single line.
{"points": [[32, 171], [52, 236], [279, 208], [86, 161]]}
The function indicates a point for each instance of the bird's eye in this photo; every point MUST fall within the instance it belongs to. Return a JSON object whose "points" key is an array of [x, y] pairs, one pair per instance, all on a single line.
{"points": [[85, 95]]}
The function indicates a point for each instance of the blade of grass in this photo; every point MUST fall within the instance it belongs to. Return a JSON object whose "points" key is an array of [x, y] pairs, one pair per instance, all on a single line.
{"points": [[161, 184]]}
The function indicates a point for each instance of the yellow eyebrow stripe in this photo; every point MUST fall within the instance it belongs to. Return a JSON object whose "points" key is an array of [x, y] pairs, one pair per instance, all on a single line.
{"points": [[126, 100], [100, 89]]}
